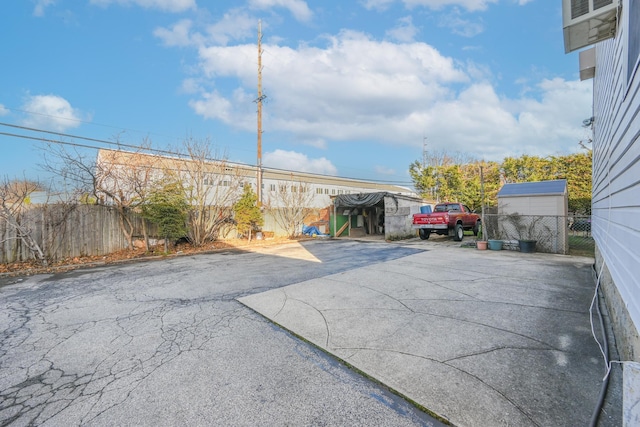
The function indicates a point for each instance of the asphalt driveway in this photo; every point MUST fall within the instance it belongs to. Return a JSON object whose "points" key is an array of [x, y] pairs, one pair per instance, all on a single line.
{"points": [[478, 338], [166, 343]]}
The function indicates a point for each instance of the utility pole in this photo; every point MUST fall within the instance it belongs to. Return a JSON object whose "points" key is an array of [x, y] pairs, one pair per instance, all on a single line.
{"points": [[484, 228], [259, 100], [424, 152]]}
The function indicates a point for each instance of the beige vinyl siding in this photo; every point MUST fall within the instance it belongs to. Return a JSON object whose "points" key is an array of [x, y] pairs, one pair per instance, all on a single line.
{"points": [[532, 205]]}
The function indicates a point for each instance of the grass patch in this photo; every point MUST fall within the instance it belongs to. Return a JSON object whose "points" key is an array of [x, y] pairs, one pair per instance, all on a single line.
{"points": [[582, 245]]}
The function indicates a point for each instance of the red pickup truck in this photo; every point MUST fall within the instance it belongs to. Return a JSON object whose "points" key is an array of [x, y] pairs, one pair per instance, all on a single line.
{"points": [[447, 218]]}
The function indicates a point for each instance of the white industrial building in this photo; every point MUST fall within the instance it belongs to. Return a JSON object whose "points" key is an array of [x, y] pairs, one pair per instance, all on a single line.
{"points": [[224, 181]]}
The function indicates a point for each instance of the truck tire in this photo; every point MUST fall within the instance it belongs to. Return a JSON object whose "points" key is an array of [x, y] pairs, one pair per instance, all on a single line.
{"points": [[458, 233], [424, 234], [476, 228]]}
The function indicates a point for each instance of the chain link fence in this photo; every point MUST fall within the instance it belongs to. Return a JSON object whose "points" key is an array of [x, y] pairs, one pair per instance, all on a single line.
{"points": [[553, 234]]}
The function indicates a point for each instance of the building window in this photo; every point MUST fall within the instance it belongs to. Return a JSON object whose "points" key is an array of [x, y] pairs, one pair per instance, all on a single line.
{"points": [[326, 191], [333, 191], [340, 191], [272, 187], [318, 190]]}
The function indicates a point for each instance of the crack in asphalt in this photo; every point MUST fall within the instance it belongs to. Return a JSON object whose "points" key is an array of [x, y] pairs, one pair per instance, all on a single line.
{"points": [[75, 345], [37, 383]]}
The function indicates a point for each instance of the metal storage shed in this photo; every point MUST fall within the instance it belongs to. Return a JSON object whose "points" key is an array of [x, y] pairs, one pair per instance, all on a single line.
{"points": [[534, 198], [536, 211]]}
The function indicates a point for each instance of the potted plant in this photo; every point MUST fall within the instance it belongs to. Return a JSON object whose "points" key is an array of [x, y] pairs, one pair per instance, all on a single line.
{"points": [[495, 244], [529, 231], [527, 246]]}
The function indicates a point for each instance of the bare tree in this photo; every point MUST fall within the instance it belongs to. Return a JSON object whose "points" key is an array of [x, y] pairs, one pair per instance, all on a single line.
{"points": [[75, 170], [117, 178], [289, 204], [14, 197], [125, 181], [212, 186]]}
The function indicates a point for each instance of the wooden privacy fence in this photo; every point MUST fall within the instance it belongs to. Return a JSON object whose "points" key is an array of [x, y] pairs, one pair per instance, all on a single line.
{"points": [[66, 231]]}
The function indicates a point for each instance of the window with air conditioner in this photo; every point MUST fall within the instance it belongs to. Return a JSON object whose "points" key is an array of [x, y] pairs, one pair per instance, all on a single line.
{"points": [[586, 22]]}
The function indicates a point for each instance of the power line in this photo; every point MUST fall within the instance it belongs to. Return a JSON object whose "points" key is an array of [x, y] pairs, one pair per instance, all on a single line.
{"points": [[151, 150], [97, 124], [182, 156], [77, 120], [102, 141]]}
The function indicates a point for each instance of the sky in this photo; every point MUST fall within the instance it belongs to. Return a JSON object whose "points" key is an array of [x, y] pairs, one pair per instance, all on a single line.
{"points": [[353, 88]]}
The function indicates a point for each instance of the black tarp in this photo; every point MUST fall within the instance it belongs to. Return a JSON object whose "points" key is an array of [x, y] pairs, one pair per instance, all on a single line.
{"points": [[362, 200]]}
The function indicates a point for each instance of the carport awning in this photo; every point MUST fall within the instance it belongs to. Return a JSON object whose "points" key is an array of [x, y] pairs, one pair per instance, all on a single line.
{"points": [[363, 200]]}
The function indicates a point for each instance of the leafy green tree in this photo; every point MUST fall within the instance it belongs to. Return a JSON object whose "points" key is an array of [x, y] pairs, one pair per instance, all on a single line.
{"points": [[167, 207], [470, 192], [247, 213], [461, 181], [424, 179], [528, 169], [576, 169]]}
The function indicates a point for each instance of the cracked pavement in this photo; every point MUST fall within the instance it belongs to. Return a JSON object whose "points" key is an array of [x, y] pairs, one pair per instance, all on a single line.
{"points": [[167, 343]]}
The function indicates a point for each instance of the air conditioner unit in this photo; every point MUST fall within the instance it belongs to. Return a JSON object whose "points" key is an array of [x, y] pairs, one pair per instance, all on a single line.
{"points": [[586, 22]]}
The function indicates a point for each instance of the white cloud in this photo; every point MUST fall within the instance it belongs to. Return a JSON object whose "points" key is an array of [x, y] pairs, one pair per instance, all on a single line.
{"points": [[383, 170], [234, 25], [479, 121], [355, 88], [214, 106], [3, 110], [471, 5], [40, 6], [460, 26], [298, 8], [177, 35], [50, 112], [165, 5], [405, 31], [379, 5], [291, 160], [191, 86], [336, 92]]}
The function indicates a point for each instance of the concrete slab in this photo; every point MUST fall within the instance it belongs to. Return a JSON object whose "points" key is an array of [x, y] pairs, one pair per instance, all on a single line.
{"points": [[478, 337], [631, 394]]}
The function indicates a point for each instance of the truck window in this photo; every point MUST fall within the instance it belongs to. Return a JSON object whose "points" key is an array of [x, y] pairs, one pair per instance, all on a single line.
{"points": [[440, 208]]}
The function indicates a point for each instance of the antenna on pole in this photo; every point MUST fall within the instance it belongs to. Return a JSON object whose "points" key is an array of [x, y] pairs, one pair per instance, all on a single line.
{"points": [[259, 100]]}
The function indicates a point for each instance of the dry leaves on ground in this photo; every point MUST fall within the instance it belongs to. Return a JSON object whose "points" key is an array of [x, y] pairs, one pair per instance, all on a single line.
{"points": [[33, 267]]}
